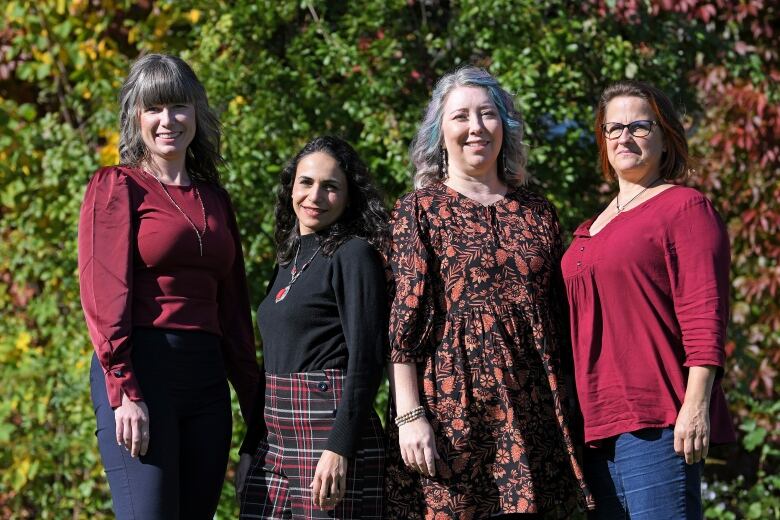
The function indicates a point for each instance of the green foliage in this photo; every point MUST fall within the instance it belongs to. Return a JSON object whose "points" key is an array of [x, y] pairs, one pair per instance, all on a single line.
{"points": [[281, 72]]}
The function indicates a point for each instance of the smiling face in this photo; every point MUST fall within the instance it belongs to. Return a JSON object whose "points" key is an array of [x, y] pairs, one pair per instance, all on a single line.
{"points": [[319, 192], [633, 158], [167, 130], [472, 132]]}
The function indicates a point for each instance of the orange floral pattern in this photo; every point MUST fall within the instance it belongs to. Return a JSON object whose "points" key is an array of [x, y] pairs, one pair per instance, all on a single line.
{"points": [[477, 308]]}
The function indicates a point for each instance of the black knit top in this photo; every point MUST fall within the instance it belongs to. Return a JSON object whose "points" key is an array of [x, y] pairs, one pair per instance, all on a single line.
{"points": [[334, 316]]}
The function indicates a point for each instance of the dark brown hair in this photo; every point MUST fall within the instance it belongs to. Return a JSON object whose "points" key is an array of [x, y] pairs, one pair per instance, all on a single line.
{"points": [[675, 161], [365, 215]]}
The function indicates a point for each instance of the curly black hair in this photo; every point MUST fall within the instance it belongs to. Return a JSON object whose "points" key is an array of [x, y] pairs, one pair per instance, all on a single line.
{"points": [[365, 215]]}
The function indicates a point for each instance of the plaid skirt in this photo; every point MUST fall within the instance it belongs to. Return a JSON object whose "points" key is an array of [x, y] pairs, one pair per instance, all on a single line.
{"points": [[299, 413]]}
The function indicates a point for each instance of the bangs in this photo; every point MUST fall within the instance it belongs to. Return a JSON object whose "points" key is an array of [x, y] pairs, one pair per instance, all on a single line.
{"points": [[164, 85]]}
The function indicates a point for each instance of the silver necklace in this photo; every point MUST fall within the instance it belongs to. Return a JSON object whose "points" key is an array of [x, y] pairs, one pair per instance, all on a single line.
{"points": [[295, 273], [617, 197], [198, 233]]}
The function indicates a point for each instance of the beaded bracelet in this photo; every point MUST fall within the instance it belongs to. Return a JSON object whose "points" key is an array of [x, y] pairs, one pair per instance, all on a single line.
{"points": [[411, 415]]}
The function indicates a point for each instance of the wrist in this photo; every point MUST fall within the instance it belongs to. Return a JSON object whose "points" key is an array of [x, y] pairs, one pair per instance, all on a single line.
{"points": [[410, 416]]}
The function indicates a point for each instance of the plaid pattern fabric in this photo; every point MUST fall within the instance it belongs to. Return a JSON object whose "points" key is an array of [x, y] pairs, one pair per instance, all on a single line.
{"points": [[299, 413]]}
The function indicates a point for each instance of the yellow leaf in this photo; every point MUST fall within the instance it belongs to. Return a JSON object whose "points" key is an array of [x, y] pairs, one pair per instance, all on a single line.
{"points": [[236, 103], [109, 153], [194, 15], [23, 341]]}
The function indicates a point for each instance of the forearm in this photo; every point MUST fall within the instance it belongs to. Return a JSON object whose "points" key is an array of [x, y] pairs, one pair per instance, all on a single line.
{"points": [[403, 385], [699, 388]]}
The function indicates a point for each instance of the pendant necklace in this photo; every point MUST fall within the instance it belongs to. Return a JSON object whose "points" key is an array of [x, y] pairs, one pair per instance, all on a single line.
{"points": [[617, 197], [198, 233], [295, 273]]}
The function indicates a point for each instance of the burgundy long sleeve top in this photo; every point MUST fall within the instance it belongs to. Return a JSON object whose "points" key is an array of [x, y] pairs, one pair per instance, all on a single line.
{"points": [[140, 266], [649, 297]]}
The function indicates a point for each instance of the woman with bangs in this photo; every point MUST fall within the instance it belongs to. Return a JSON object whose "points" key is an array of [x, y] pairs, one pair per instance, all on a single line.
{"points": [[477, 341], [164, 293]]}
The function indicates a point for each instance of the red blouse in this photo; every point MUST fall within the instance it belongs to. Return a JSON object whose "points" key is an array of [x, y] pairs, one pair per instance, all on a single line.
{"points": [[649, 297], [140, 266]]}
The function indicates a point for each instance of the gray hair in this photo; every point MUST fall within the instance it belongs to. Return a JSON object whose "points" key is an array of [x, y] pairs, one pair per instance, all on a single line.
{"points": [[426, 148], [161, 79]]}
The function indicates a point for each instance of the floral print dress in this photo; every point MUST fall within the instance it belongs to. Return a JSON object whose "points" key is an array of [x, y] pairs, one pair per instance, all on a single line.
{"points": [[477, 308]]}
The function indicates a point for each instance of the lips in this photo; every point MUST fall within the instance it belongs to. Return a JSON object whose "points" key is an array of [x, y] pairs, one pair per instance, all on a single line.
{"points": [[312, 212], [167, 136]]}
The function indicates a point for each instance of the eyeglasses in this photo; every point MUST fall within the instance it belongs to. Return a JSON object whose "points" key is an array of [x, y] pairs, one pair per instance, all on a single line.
{"points": [[641, 128]]}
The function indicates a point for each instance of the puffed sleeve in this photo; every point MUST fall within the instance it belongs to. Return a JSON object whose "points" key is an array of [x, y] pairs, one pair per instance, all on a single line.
{"points": [[106, 244], [413, 308], [235, 321], [359, 284], [698, 262]]}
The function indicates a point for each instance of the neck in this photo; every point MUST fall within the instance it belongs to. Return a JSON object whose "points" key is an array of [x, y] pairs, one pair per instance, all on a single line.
{"points": [[169, 171], [481, 183], [631, 185]]}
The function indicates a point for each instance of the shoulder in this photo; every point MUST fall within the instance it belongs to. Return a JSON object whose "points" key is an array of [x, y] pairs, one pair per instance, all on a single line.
{"points": [[420, 198], [356, 250], [685, 208], [682, 199], [110, 184], [537, 203], [110, 175]]}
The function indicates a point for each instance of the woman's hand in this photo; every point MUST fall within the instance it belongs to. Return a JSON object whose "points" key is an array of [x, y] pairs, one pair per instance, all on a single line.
{"points": [[330, 480], [132, 426], [692, 428], [418, 446], [244, 461], [692, 431]]}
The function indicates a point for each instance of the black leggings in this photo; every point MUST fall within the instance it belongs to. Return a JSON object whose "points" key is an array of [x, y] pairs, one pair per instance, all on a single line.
{"points": [[182, 377]]}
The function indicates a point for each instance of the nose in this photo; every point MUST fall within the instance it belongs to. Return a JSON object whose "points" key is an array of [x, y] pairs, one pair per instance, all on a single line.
{"points": [[476, 124], [315, 193], [166, 116], [625, 136]]}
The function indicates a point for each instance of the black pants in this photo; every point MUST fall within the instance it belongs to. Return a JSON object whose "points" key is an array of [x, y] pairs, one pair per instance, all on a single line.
{"points": [[182, 377]]}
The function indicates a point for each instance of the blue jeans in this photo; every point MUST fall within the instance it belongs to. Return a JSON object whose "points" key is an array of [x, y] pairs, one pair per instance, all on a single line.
{"points": [[638, 475]]}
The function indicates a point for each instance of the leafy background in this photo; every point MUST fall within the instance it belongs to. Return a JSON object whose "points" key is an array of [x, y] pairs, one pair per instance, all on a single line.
{"points": [[282, 71]]}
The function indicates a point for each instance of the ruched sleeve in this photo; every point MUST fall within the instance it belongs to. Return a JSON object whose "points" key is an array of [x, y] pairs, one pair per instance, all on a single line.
{"points": [[235, 321], [698, 262], [106, 245], [413, 308]]}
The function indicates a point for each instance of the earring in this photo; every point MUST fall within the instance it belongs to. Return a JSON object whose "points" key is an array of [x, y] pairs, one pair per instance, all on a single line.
{"points": [[504, 167], [443, 163]]}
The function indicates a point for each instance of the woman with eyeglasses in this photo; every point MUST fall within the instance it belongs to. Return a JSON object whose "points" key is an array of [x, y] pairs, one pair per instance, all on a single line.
{"points": [[648, 286]]}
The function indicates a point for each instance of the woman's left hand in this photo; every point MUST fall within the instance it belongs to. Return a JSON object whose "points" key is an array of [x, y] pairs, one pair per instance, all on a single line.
{"points": [[330, 480], [692, 431]]}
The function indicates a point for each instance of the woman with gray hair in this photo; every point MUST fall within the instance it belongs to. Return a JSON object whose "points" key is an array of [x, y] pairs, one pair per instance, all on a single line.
{"points": [[164, 293], [477, 329]]}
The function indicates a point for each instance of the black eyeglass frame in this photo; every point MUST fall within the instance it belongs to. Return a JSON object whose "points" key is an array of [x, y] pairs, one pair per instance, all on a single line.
{"points": [[633, 126]]}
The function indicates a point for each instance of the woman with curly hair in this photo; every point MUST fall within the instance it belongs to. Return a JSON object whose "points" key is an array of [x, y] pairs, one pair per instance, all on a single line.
{"points": [[477, 328], [318, 444]]}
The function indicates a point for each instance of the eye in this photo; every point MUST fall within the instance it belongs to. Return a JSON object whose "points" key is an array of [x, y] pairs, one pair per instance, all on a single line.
{"points": [[153, 109], [488, 113], [461, 116]]}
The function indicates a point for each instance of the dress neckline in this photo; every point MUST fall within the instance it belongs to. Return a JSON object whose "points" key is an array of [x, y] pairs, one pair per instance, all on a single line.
{"points": [[584, 229], [452, 192]]}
